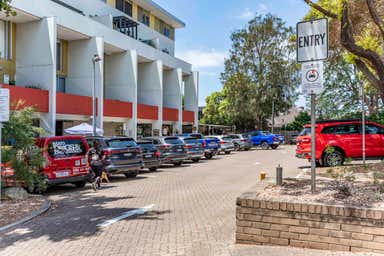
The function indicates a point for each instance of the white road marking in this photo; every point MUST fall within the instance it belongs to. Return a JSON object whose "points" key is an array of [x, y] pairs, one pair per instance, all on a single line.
{"points": [[125, 215], [257, 163]]}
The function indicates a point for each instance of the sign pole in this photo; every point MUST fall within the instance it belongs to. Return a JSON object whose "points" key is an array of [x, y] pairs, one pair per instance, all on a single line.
{"points": [[1, 169], [363, 118], [313, 143]]}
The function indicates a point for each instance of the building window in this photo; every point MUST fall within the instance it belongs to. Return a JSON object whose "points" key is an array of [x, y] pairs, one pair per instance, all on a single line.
{"points": [[124, 6], [60, 84], [144, 16], [59, 56]]}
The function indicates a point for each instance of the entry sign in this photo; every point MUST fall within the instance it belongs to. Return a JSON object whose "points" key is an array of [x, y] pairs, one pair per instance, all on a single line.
{"points": [[312, 40], [4, 105], [312, 77]]}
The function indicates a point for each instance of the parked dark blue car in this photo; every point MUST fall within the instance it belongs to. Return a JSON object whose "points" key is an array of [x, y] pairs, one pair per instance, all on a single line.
{"points": [[264, 140], [211, 145]]}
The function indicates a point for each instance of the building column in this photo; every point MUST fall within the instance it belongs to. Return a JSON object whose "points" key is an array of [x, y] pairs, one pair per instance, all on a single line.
{"points": [[36, 62], [191, 95], [80, 71], [172, 95], [150, 88], [121, 84]]}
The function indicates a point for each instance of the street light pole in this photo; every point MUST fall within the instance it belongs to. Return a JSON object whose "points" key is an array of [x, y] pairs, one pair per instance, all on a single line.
{"points": [[96, 58]]}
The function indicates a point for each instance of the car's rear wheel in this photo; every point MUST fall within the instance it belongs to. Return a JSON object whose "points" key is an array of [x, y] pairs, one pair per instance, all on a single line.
{"points": [[152, 169], [131, 174], [334, 158], [208, 156], [195, 160], [177, 163], [274, 146], [80, 184], [264, 145], [227, 152], [237, 147]]}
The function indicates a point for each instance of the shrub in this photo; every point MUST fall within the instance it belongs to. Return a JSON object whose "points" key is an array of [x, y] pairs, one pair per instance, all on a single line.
{"points": [[19, 148]]}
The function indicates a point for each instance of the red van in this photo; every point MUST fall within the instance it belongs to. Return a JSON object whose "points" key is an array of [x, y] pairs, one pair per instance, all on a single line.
{"points": [[66, 159], [345, 137]]}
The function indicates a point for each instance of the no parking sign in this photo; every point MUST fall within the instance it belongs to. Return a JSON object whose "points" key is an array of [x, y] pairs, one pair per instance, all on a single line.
{"points": [[312, 77]]}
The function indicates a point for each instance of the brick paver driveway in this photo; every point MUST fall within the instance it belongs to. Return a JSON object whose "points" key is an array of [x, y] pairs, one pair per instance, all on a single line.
{"points": [[193, 212]]}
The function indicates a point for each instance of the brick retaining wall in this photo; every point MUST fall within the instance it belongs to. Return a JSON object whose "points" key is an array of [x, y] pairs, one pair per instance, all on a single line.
{"points": [[313, 226]]}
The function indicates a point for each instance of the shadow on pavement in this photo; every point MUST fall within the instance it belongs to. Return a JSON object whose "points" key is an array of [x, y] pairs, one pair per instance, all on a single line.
{"points": [[72, 216]]}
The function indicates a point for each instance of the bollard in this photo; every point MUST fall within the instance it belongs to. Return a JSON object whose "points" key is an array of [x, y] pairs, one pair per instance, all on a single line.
{"points": [[279, 175], [262, 176]]}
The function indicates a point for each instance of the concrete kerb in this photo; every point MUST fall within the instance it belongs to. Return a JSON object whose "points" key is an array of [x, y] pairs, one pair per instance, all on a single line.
{"points": [[43, 209]]}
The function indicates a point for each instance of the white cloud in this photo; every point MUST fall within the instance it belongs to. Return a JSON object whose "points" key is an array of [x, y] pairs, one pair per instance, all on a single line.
{"points": [[203, 59], [246, 14], [262, 7]]}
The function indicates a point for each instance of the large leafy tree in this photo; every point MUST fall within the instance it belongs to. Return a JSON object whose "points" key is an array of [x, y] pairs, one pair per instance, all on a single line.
{"points": [[357, 26], [214, 111], [261, 68], [6, 7]]}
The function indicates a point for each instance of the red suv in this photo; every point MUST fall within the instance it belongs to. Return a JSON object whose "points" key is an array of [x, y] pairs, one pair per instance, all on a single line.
{"points": [[66, 159], [344, 137]]}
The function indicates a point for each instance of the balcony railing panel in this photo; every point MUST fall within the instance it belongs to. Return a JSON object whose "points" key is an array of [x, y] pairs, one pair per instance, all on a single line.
{"points": [[31, 97], [126, 26], [147, 112], [170, 114], [188, 116]]}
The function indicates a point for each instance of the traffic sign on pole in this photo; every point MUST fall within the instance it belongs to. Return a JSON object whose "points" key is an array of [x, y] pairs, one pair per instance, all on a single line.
{"points": [[312, 40], [312, 46], [312, 77]]}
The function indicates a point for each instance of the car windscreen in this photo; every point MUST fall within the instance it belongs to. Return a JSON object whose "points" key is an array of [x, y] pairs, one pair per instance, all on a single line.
{"points": [[191, 141], [121, 143], [66, 148], [173, 141], [306, 131], [146, 144], [196, 135]]}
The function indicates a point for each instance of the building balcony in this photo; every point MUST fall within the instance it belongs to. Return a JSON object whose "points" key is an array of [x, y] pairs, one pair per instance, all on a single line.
{"points": [[31, 97], [126, 26], [71, 104], [170, 114], [188, 116], [147, 112], [117, 108]]}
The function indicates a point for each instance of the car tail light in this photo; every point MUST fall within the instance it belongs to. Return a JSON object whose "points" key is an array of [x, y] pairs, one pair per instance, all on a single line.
{"points": [[107, 153], [222, 142], [188, 146], [157, 154], [244, 140], [203, 144], [166, 146]]}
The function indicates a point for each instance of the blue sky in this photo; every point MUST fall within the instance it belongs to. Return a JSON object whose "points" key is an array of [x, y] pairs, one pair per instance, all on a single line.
{"points": [[205, 41]]}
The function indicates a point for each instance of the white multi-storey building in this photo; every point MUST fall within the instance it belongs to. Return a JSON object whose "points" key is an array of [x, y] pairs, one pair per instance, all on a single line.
{"points": [[46, 54]]}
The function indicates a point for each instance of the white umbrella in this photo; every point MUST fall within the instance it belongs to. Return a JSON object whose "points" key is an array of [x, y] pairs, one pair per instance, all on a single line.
{"points": [[83, 129]]}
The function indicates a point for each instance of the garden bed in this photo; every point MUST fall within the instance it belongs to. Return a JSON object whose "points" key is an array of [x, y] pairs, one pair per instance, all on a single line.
{"points": [[14, 210], [346, 212]]}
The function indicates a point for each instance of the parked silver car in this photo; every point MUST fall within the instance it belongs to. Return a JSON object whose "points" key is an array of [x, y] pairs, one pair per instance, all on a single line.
{"points": [[241, 142], [226, 144], [194, 148]]}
